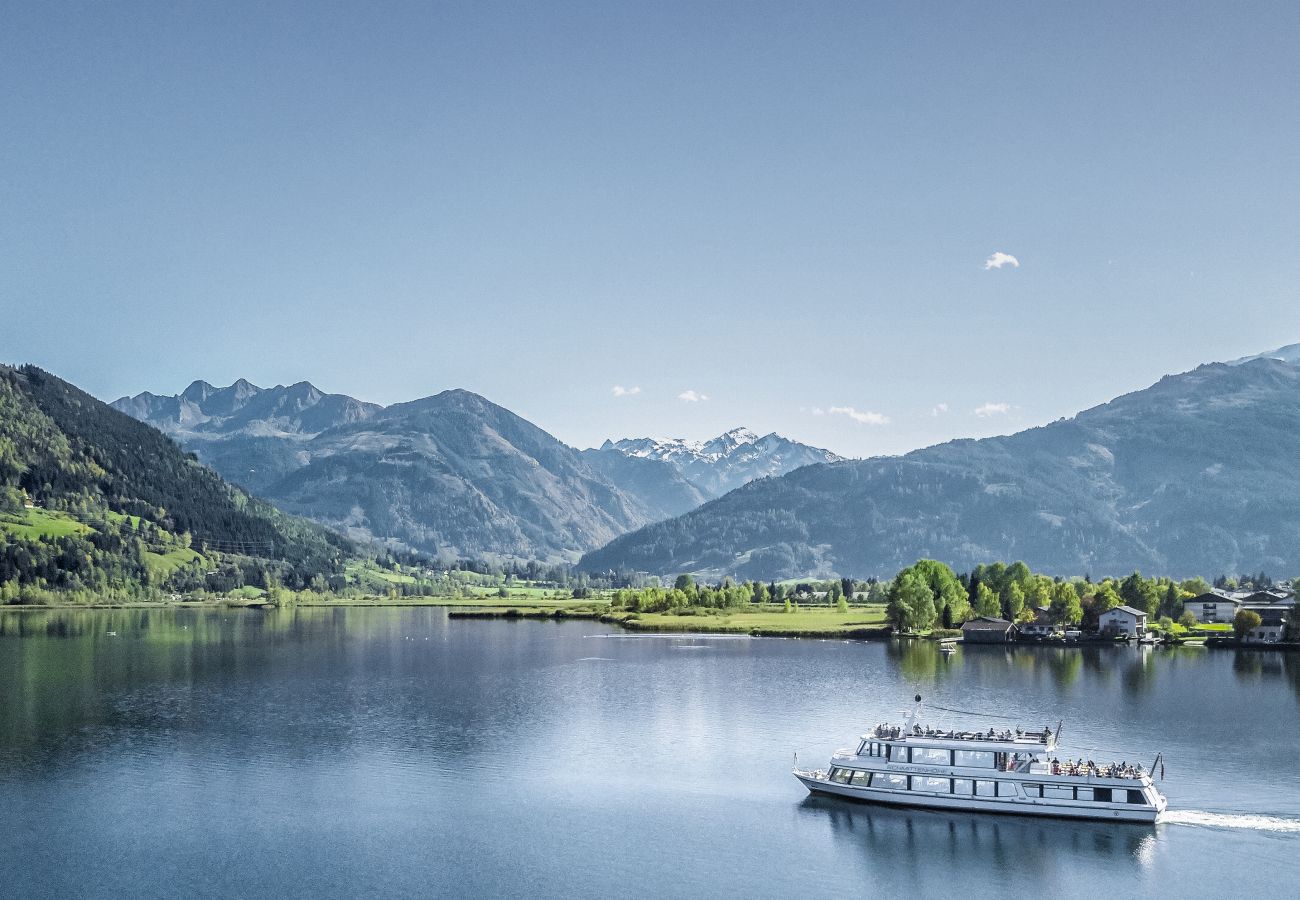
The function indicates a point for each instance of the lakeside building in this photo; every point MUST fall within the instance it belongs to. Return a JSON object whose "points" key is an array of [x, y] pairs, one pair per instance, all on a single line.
{"points": [[1042, 626], [1213, 607], [1123, 620], [987, 630], [1275, 610]]}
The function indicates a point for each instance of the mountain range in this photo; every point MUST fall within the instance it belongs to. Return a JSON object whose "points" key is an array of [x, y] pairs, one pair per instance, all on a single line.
{"points": [[1197, 474], [452, 473]]}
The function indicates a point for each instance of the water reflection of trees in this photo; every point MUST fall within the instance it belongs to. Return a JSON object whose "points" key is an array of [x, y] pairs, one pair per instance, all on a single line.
{"points": [[920, 661], [72, 675], [1260, 665]]}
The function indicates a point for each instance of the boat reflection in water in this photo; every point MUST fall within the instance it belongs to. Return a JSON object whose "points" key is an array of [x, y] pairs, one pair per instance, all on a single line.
{"points": [[966, 851]]}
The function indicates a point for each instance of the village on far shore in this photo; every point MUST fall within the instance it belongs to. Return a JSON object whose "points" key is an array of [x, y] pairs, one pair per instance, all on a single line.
{"points": [[1275, 609]]}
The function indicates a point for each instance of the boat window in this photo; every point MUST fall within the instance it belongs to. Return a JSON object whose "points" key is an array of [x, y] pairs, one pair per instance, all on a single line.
{"points": [[940, 785], [986, 788], [1006, 789], [861, 778], [889, 782], [963, 786], [935, 756], [1083, 793], [1136, 797], [1102, 795], [1033, 790], [840, 776], [979, 759], [862, 749], [897, 753], [1058, 791]]}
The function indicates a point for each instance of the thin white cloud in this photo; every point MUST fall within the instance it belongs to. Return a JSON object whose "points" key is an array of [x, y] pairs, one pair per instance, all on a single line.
{"points": [[620, 391], [865, 417], [818, 411], [692, 396], [1000, 259], [939, 409], [993, 409]]}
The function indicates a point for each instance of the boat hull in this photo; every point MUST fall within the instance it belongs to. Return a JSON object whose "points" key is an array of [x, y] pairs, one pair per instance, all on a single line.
{"points": [[1144, 815]]}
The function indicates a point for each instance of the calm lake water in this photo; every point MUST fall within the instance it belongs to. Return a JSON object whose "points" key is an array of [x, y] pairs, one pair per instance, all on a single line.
{"points": [[361, 752]]}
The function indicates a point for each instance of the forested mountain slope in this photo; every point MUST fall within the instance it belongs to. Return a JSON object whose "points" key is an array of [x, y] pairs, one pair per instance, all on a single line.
{"points": [[91, 499]]}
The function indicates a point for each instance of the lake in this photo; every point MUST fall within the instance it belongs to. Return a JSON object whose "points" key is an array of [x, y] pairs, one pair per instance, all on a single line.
{"points": [[358, 752]]}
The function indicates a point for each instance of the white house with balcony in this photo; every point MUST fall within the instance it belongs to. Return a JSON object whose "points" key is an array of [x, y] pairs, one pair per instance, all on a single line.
{"points": [[1213, 607], [1123, 620]]}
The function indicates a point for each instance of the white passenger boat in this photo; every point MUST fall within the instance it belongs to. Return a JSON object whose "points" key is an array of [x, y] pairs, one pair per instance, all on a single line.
{"points": [[1011, 771]]}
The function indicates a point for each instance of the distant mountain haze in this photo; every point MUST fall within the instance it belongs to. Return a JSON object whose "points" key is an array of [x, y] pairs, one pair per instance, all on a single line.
{"points": [[452, 473], [1197, 474]]}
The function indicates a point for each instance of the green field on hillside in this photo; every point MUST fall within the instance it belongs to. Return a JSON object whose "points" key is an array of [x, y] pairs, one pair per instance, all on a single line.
{"points": [[37, 523], [163, 564]]}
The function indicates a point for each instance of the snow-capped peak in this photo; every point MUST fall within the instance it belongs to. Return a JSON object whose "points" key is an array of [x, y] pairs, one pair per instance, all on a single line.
{"points": [[727, 461], [1288, 354]]}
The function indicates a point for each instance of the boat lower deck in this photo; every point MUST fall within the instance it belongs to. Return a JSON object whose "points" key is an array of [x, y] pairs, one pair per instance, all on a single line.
{"points": [[1001, 805]]}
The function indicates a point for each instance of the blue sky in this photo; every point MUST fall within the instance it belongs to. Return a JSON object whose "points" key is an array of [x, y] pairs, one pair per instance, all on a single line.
{"points": [[785, 208]]}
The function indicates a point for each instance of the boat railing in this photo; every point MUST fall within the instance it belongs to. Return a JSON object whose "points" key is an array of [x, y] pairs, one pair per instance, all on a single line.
{"points": [[899, 732], [1090, 769]]}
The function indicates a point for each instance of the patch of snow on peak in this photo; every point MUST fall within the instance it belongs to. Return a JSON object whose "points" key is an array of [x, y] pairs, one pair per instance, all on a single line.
{"points": [[1289, 354]]}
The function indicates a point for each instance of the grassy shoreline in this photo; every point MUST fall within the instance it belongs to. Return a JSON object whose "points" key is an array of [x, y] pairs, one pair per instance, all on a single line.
{"points": [[860, 623], [857, 623]]}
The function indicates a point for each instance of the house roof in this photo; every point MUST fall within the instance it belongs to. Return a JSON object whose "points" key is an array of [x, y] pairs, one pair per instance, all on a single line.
{"points": [[1128, 609], [1268, 598], [986, 623], [1212, 597]]}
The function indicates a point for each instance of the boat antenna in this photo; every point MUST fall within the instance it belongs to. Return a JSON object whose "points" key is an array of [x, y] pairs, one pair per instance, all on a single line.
{"points": [[1160, 761]]}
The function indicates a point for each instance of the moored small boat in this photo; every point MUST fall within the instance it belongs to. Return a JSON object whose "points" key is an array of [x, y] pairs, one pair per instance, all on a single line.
{"points": [[1011, 771]]}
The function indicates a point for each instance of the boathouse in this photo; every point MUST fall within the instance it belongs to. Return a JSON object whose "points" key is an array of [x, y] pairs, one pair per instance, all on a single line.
{"points": [[987, 630]]}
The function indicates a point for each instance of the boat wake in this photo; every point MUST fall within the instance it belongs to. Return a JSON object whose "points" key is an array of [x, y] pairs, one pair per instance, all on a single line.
{"points": [[1250, 821]]}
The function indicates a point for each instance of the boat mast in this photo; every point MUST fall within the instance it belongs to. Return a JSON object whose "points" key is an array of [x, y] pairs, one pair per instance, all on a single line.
{"points": [[914, 717]]}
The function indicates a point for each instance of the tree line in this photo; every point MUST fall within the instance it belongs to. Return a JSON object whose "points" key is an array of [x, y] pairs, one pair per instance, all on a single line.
{"points": [[929, 594]]}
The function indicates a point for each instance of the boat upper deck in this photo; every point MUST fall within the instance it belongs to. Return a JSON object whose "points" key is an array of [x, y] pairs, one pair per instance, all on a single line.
{"points": [[1018, 738]]}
